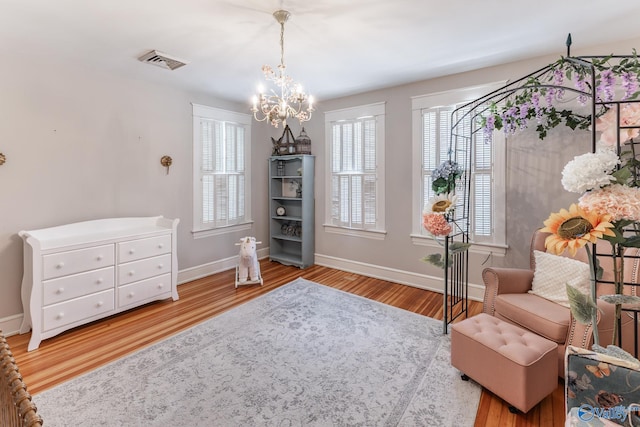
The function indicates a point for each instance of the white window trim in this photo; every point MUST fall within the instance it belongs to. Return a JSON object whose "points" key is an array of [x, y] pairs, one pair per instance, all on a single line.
{"points": [[206, 112], [445, 98], [376, 110]]}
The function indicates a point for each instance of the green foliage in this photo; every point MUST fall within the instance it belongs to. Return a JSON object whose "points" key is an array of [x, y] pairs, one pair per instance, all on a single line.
{"points": [[541, 90], [582, 307], [435, 259], [621, 299], [439, 261]]}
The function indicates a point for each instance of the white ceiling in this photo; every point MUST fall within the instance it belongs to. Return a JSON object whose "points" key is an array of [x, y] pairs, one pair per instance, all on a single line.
{"points": [[333, 47]]}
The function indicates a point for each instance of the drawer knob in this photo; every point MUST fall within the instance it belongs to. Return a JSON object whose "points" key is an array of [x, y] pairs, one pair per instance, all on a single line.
{"points": [[60, 290], [60, 315], [60, 265], [99, 258], [132, 272], [99, 281], [160, 285], [160, 266], [100, 304], [131, 294], [132, 251], [160, 246]]}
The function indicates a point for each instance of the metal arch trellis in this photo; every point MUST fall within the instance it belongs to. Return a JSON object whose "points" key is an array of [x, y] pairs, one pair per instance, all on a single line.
{"points": [[465, 128]]}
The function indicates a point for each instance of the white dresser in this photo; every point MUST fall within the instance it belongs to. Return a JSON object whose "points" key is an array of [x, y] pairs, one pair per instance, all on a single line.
{"points": [[81, 272]]}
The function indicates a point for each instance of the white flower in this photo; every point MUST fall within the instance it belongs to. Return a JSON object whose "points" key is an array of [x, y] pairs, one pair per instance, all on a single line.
{"points": [[589, 171], [442, 203]]}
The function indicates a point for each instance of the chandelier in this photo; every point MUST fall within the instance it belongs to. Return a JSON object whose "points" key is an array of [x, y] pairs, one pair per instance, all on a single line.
{"points": [[287, 99]]}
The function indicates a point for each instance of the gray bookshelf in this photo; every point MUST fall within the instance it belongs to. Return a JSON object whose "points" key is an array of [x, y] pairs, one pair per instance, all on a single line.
{"points": [[292, 210]]}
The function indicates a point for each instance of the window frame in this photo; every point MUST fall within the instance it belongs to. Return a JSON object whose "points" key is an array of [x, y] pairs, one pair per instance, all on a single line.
{"points": [[496, 244], [377, 111], [200, 112]]}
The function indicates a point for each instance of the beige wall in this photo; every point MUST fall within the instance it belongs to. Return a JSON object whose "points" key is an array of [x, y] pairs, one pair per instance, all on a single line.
{"points": [[84, 144]]}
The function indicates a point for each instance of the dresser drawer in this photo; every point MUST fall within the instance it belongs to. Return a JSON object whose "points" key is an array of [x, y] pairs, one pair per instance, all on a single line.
{"points": [[78, 309], [77, 285], [71, 262], [151, 288], [143, 269], [133, 250]]}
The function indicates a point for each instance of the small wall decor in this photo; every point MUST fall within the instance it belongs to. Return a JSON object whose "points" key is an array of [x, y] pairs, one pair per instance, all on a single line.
{"points": [[3, 159], [166, 161]]}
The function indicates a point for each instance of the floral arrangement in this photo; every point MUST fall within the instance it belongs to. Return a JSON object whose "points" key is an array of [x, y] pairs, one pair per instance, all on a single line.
{"points": [[609, 208], [535, 102], [438, 215]]}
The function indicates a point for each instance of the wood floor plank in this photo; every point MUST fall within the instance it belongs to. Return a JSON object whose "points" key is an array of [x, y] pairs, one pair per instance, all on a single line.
{"points": [[90, 346]]}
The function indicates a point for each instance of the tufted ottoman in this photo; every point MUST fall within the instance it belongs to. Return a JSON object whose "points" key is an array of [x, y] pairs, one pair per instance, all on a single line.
{"points": [[516, 365]]}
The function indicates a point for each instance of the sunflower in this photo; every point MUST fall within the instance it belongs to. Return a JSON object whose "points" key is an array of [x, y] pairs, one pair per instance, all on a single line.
{"points": [[575, 228], [442, 203]]}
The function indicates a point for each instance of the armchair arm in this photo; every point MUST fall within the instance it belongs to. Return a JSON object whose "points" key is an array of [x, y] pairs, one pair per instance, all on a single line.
{"points": [[581, 335], [504, 281]]}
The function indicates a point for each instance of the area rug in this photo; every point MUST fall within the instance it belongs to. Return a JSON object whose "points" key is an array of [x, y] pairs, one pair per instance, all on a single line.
{"points": [[302, 355]]}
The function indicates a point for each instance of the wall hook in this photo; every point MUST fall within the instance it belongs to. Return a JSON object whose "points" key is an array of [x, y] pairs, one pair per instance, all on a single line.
{"points": [[166, 162]]}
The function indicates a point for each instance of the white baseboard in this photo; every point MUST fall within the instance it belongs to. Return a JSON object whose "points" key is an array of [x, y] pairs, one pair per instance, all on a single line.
{"points": [[11, 325], [422, 281]]}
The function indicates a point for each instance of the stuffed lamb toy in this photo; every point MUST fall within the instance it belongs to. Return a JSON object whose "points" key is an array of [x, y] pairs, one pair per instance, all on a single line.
{"points": [[248, 259]]}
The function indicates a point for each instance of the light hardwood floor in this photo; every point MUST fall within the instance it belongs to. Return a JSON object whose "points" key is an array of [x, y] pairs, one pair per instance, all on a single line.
{"points": [[87, 347]]}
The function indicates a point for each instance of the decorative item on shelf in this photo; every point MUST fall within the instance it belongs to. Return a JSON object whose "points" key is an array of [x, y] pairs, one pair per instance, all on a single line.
{"points": [[303, 143], [3, 159], [285, 144], [281, 211], [280, 168], [291, 188], [288, 99], [291, 229], [166, 161]]}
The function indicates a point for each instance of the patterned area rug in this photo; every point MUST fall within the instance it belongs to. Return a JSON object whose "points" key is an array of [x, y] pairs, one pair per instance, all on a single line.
{"points": [[301, 355]]}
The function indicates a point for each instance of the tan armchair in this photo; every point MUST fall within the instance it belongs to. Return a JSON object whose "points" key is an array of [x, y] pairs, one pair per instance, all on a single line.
{"points": [[506, 297]]}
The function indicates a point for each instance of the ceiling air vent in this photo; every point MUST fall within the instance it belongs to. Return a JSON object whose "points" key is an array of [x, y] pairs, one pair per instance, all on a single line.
{"points": [[162, 60]]}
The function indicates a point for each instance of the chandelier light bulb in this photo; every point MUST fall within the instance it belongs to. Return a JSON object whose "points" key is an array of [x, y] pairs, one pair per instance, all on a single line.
{"points": [[291, 102]]}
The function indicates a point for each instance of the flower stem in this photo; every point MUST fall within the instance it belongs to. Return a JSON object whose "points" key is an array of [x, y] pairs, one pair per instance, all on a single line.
{"points": [[618, 265], [594, 311]]}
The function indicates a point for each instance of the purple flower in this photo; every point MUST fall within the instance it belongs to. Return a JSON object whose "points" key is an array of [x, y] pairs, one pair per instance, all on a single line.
{"points": [[489, 126], [549, 96], [558, 77], [581, 85], [629, 83], [535, 100], [604, 91]]}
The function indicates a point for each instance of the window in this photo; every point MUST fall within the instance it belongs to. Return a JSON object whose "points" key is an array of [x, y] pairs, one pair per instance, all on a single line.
{"points": [[432, 121], [355, 171], [221, 166]]}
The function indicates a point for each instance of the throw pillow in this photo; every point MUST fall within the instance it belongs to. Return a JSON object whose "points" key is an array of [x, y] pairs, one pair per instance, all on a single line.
{"points": [[553, 272]]}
